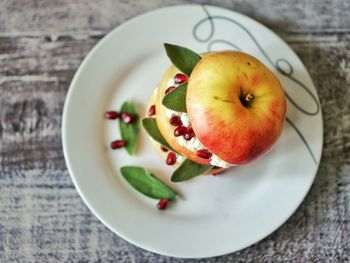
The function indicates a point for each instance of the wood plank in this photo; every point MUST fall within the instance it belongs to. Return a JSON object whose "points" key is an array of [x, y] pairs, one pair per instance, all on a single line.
{"points": [[65, 17], [34, 76]]}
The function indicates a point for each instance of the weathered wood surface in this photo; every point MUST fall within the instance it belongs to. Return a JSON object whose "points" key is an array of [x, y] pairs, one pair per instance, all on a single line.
{"points": [[42, 218]]}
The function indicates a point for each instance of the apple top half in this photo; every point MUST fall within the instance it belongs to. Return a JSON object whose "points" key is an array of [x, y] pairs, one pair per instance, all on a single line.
{"points": [[236, 106]]}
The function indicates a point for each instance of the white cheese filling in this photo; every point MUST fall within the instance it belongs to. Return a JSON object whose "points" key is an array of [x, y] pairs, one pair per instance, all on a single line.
{"points": [[194, 144], [171, 82]]}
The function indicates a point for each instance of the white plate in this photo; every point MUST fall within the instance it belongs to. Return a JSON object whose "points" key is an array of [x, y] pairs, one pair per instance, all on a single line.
{"points": [[214, 215]]}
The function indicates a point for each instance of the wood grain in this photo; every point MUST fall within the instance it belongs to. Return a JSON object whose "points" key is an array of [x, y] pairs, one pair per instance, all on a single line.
{"points": [[42, 218], [62, 17]]}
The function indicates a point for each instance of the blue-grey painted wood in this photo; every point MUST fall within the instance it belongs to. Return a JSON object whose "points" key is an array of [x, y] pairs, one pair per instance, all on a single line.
{"points": [[42, 217]]}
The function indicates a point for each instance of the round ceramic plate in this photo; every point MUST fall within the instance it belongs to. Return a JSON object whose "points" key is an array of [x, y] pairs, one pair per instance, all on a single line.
{"points": [[214, 215]]}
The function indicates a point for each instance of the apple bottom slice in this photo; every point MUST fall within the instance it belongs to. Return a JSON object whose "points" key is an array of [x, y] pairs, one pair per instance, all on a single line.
{"points": [[158, 147], [215, 171]]}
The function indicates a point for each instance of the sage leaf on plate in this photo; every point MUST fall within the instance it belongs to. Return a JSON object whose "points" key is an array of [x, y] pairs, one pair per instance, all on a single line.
{"points": [[176, 99], [146, 183], [129, 132], [188, 170], [151, 127], [183, 58]]}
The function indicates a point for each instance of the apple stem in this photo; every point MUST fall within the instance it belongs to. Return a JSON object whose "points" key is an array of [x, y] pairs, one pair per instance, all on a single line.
{"points": [[249, 97]]}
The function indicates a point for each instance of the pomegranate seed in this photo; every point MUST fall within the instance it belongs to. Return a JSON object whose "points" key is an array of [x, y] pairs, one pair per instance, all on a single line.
{"points": [[128, 118], [181, 130], [175, 121], [169, 89], [117, 144], [180, 78], [171, 158], [190, 130], [164, 149], [111, 115], [189, 134], [152, 111], [162, 203], [203, 153]]}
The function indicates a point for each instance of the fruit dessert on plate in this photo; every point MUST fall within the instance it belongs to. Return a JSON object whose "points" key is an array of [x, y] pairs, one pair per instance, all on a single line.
{"points": [[214, 111]]}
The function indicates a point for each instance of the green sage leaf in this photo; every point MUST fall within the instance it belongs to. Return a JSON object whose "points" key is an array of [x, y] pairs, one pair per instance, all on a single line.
{"points": [[176, 99], [146, 183], [151, 127], [188, 170], [183, 58], [129, 132]]}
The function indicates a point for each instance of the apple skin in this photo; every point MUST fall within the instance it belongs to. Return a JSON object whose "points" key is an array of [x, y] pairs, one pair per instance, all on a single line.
{"points": [[236, 133]]}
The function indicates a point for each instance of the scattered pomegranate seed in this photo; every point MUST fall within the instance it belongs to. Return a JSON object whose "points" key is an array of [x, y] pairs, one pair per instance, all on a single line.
{"points": [[180, 78], [128, 118], [171, 158], [117, 144], [111, 115], [162, 203], [203, 153], [152, 111], [175, 121], [164, 149], [189, 134], [181, 130], [169, 89]]}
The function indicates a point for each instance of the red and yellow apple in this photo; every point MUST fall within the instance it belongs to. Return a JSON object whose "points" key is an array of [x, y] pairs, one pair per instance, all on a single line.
{"points": [[235, 104]]}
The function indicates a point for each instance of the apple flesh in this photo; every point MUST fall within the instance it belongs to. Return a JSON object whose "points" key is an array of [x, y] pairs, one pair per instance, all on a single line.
{"points": [[236, 106], [156, 145], [163, 123]]}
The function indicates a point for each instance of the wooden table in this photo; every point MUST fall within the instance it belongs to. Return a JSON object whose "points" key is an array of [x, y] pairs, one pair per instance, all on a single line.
{"points": [[42, 217]]}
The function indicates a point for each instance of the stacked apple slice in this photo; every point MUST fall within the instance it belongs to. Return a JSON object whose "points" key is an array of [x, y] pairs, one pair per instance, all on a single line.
{"points": [[219, 110]]}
